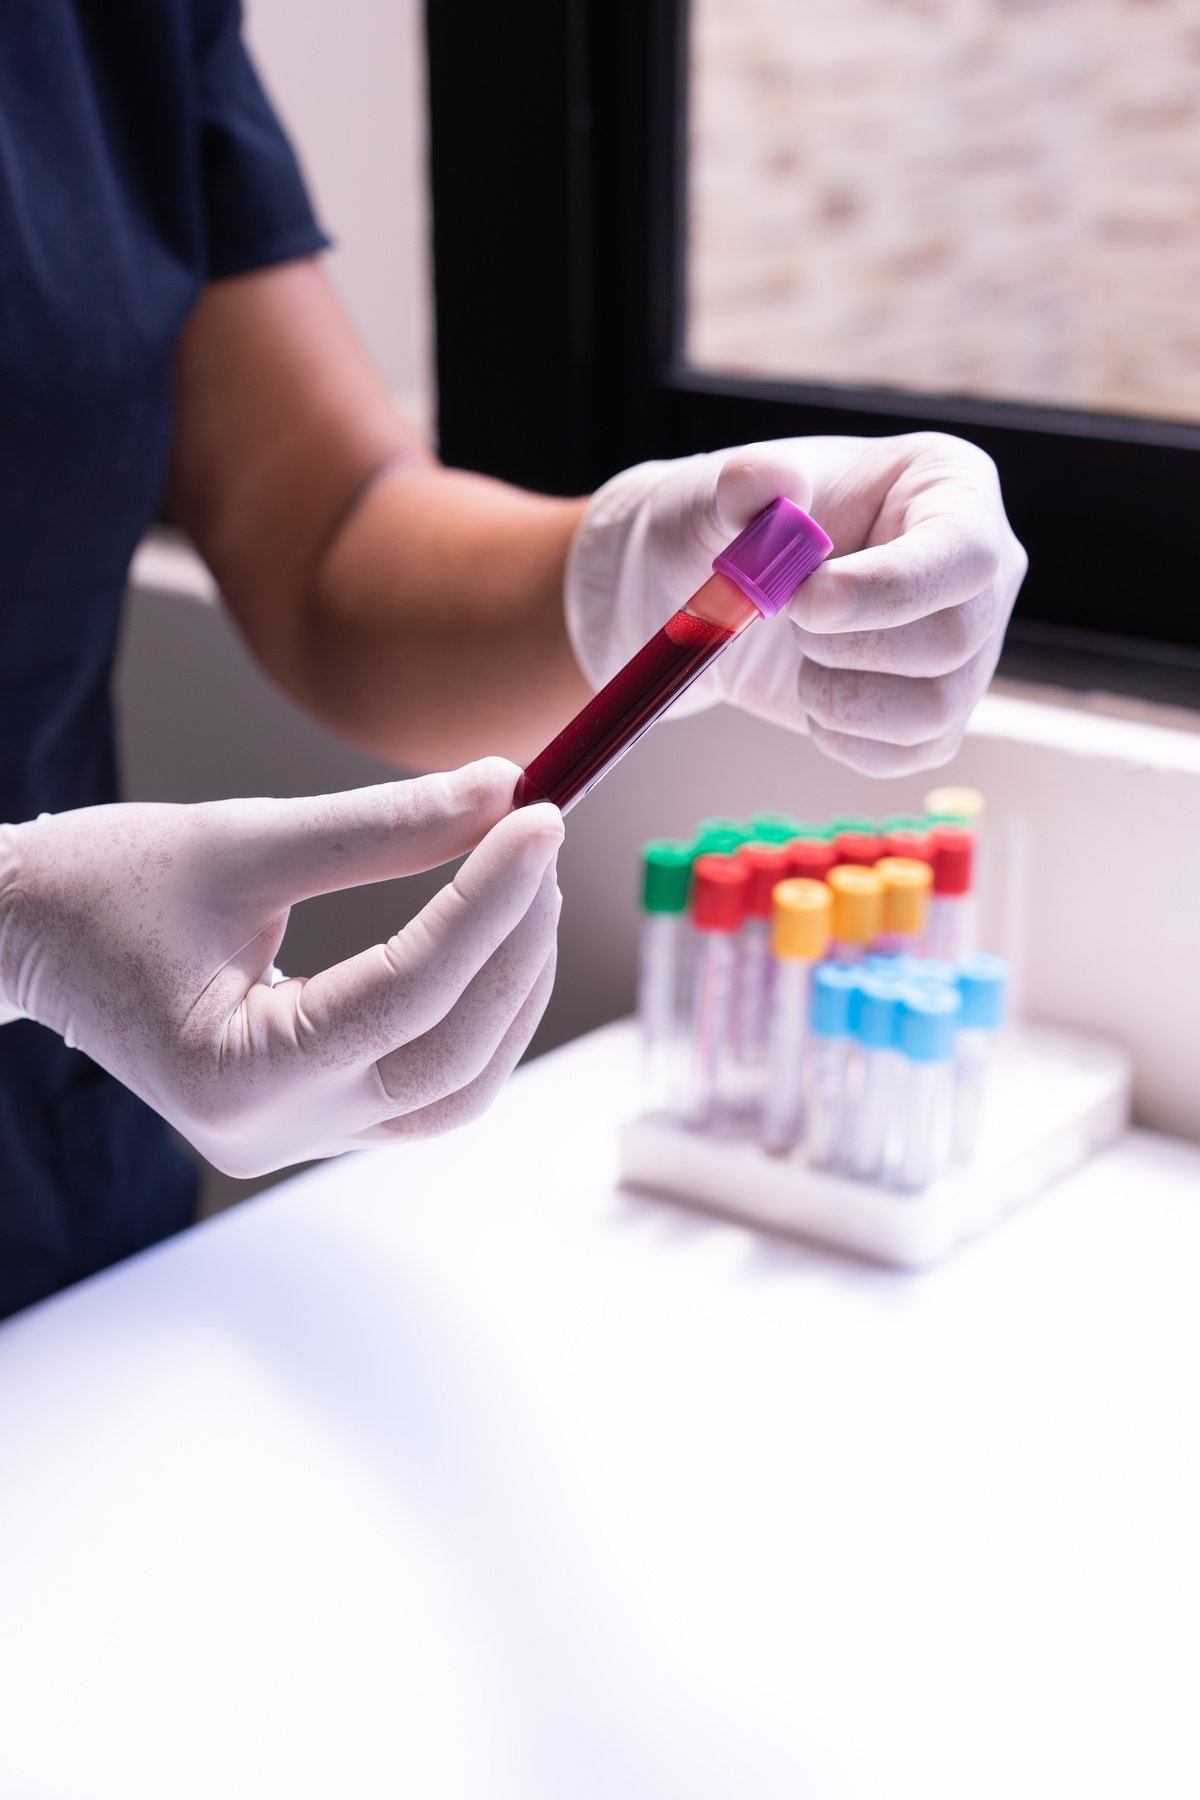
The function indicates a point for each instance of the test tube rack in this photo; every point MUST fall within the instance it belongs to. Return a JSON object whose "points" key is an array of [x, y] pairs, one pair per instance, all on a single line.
{"points": [[1054, 1099]]}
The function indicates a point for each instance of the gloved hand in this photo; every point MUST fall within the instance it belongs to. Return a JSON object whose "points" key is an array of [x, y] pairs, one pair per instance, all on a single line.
{"points": [[146, 935], [883, 652]]}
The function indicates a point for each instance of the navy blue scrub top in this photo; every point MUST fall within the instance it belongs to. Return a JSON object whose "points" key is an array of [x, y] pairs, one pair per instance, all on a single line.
{"points": [[138, 159]]}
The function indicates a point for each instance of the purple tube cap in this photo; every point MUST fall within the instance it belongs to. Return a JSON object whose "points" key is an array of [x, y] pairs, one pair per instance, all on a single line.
{"points": [[780, 548]]}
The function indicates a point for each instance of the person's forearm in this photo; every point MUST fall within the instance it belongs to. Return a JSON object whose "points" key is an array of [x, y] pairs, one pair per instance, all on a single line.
{"points": [[415, 610], [432, 628]]}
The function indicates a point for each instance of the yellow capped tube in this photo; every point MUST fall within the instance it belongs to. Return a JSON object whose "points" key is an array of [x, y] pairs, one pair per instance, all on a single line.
{"points": [[801, 919], [907, 884], [801, 925], [857, 911]]}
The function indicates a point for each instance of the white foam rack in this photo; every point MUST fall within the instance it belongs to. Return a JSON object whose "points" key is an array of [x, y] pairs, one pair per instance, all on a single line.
{"points": [[1054, 1098]]}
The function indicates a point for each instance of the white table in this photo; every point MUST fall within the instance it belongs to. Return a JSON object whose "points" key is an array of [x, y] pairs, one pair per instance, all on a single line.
{"points": [[454, 1471]]}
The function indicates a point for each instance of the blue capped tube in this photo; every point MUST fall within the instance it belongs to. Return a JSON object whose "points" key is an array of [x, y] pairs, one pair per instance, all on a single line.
{"points": [[875, 1010], [929, 1017], [983, 988], [829, 1060]]}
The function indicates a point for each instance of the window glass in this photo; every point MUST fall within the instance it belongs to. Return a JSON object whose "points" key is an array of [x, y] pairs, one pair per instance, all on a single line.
{"points": [[998, 198]]}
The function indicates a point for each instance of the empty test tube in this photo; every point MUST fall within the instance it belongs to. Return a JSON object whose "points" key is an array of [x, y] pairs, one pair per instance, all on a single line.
{"points": [[907, 883], [666, 872], [811, 858], [952, 908], [723, 835], [766, 865], [929, 1016], [983, 985], [955, 806], [863, 848], [800, 915], [718, 910], [913, 842], [875, 1021], [774, 827], [963, 808], [828, 1062], [857, 911]]}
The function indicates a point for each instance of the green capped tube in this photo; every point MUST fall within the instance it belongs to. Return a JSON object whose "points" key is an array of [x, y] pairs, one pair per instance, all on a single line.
{"points": [[666, 876]]}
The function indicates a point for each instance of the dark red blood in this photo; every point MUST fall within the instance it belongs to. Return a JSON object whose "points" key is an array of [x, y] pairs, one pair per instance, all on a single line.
{"points": [[615, 718]]}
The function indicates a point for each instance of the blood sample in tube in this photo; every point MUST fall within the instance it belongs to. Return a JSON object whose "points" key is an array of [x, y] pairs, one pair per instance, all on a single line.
{"points": [[754, 577]]}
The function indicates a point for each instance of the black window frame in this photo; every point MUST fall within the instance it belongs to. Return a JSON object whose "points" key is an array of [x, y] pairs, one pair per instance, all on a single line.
{"points": [[558, 168]]}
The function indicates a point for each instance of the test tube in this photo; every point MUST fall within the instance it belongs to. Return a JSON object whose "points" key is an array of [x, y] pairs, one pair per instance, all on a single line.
{"points": [[863, 848], [828, 1062], [955, 806], [906, 889], [754, 577], [951, 911], [875, 1022], [913, 842], [765, 866], [910, 968], [718, 910], [666, 872], [933, 971], [929, 1015], [983, 985], [774, 827], [725, 835], [857, 911], [811, 858], [800, 915]]}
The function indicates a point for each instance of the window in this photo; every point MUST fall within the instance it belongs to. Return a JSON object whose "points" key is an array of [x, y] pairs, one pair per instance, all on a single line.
{"points": [[656, 230], [954, 196]]}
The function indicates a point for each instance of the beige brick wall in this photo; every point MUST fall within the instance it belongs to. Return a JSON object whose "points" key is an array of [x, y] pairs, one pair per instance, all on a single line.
{"points": [[999, 197]]}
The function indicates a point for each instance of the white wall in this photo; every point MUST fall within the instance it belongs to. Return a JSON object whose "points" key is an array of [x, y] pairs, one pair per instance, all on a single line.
{"points": [[348, 78]]}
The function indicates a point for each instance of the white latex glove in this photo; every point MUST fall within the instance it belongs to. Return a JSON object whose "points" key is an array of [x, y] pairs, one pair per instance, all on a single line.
{"points": [[883, 652], [146, 936]]}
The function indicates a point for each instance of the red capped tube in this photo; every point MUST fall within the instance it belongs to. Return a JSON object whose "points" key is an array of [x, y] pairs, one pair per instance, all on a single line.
{"points": [[766, 866], [915, 846], [953, 859], [863, 848], [720, 889], [811, 858]]}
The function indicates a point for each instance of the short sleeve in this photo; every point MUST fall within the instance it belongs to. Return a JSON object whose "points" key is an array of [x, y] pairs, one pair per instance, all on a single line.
{"points": [[256, 206]]}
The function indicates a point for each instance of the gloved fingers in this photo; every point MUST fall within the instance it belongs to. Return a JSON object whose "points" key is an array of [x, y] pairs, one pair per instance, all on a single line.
{"points": [[751, 477], [940, 560], [870, 756], [298, 848], [460, 1046], [894, 709], [363, 1008], [470, 1101], [936, 645]]}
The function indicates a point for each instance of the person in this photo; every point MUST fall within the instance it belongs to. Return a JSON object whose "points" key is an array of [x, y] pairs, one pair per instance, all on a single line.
{"points": [[166, 329]]}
